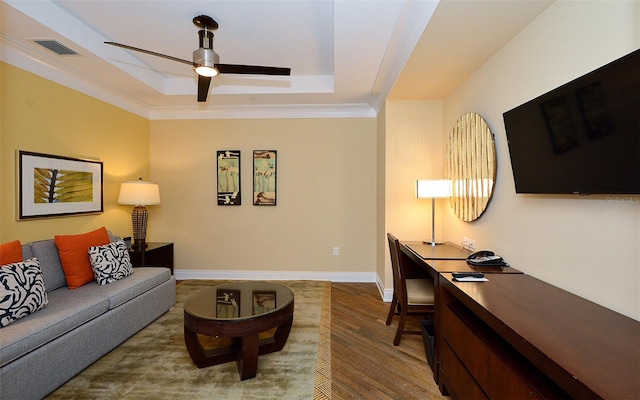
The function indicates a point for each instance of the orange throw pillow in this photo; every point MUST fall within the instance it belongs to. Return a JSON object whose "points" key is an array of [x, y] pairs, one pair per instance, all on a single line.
{"points": [[10, 252], [74, 255]]}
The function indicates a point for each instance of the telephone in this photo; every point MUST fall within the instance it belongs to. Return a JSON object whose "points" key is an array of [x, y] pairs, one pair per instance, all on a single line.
{"points": [[486, 258]]}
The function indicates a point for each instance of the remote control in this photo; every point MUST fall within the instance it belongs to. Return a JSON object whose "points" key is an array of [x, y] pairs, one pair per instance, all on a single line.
{"points": [[468, 275]]}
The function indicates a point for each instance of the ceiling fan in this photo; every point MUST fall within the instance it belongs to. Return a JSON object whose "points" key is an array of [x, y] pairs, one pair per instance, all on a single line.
{"points": [[206, 62]]}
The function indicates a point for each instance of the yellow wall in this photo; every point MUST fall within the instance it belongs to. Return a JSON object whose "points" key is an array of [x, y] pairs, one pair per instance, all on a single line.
{"points": [[413, 150], [41, 116], [326, 180]]}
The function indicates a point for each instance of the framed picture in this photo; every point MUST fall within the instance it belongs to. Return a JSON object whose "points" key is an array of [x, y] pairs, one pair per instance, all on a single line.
{"points": [[229, 178], [54, 186], [227, 303], [264, 177], [263, 301]]}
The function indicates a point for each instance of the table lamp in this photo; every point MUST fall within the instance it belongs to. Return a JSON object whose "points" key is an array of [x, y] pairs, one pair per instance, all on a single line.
{"points": [[433, 189], [140, 194]]}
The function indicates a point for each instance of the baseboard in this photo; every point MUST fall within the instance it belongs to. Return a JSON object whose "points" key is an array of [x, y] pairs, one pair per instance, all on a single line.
{"points": [[386, 294], [365, 277]]}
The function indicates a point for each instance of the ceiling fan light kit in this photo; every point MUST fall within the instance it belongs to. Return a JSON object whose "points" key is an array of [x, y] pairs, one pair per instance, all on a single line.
{"points": [[206, 62]]}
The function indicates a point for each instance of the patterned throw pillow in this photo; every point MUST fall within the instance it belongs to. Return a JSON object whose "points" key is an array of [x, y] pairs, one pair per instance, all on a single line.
{"points": [[110, 262], [22, 290]]}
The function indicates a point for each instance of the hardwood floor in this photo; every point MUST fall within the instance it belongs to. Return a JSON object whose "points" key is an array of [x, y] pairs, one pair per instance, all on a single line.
{"points": [[364, 361]]}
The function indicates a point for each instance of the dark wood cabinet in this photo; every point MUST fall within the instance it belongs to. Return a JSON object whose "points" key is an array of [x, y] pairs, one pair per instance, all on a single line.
{"points": [[516, 337], [156, 254]]}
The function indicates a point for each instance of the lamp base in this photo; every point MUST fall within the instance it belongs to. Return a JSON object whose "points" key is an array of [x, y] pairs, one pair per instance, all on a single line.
{"points": [[139, 244], [432, 243], [139, 217]]}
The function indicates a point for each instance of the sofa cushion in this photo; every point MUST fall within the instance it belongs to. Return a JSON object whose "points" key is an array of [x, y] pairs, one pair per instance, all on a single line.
{"points": [[62, 314], [47, 254], [74, 254], [110, 262], [10, 252], [22, 290], [119, 292]]}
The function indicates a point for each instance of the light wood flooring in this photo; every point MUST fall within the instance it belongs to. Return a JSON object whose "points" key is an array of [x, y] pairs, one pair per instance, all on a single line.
{"points": [[364, 361]]}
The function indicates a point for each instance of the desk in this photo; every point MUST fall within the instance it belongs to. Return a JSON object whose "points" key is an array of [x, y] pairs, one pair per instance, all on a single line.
{"points": [[413, 254], [518, 337], [446, 251]]}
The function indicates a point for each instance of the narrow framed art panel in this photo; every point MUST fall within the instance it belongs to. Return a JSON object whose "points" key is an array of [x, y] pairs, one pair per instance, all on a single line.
{"points": [[264, 177], [229, 178], [55, 186]]}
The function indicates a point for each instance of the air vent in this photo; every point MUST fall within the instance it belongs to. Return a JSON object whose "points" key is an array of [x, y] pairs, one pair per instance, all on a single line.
{"points": [[56, 47]]}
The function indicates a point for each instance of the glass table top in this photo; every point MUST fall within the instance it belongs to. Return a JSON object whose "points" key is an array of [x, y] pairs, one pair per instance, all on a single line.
{"points": [[238, 300]]}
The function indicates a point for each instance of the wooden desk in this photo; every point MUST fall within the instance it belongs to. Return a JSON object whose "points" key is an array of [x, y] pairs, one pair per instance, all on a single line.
{"points": [[413, 254], [446, 251], [518, 337]]}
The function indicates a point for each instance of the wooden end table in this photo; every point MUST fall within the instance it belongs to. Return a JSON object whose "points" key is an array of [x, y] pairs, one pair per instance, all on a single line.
{"points": [[239, 311]]}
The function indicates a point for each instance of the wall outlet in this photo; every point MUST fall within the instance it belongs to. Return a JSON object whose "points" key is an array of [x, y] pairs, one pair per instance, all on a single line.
{"points": [[336, 251], [468, 244]]}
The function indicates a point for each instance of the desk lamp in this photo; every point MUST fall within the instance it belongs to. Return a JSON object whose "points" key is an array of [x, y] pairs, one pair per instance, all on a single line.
{"points": [[433, 189], [139, 193]]}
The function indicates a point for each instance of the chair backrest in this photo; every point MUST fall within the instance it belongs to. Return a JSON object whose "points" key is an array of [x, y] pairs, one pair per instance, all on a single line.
{"points": [[399, 284]]}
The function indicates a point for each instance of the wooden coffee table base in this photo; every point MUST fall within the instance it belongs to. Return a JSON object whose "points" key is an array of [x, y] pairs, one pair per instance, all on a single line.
{"points": [[244, 334]]}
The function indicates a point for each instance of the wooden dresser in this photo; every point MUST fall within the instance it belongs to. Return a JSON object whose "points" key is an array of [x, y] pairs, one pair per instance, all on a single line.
{"points": [[517, 337]]}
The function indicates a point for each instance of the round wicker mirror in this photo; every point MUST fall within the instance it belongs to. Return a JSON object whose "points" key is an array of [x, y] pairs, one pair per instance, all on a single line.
{"points": [[471, 166]]}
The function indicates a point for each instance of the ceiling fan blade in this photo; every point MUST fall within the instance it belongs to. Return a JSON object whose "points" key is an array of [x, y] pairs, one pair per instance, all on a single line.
{"points": [[203, 87], [252, 69], [153, 53]]}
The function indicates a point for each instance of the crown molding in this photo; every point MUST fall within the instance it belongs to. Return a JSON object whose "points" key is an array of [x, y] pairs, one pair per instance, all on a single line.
{"points": [[348, 110], [49, 68]]}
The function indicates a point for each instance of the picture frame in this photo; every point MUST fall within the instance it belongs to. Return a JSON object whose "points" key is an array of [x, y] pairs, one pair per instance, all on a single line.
{"points": [[265, 177], [56, 186], [227, 303], [264, 301], [229, 189]]}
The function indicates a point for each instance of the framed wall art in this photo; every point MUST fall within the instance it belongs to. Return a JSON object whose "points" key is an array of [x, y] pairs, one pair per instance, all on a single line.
{"points": [[264, 177], [54, 186], [229, 178]]}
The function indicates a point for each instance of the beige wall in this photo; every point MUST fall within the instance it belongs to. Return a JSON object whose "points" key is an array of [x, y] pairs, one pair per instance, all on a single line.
{"points": [[326, 183], [587, 245], [413, 150], [41, 116]]}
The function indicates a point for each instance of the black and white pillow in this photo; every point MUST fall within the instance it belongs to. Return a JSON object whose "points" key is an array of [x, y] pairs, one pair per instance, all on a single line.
{"points": [[110, 262], [22, 290]]}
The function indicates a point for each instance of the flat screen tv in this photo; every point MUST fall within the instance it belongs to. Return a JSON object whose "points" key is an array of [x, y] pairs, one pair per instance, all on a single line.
{"points": [[582, 137]]}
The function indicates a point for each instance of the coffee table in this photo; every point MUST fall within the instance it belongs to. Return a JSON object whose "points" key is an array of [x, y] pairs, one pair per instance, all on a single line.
{"points": [[239, 311]]}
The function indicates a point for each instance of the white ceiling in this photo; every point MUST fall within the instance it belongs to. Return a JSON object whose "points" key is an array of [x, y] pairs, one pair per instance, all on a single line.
{"points": [[345, 55]]}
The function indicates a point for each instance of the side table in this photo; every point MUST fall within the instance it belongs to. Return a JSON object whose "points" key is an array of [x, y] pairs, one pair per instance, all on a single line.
{"points": [[156, 254]]}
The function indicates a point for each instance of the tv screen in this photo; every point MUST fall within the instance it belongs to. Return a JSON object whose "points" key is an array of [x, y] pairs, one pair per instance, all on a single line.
{"points": [[583, 137]]}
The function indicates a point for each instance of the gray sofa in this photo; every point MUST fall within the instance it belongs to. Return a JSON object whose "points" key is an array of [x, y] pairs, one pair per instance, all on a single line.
{"points": [[42, 351]]}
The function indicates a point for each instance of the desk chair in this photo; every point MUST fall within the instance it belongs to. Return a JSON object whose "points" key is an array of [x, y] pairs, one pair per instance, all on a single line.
{"points": [[410, 296]]}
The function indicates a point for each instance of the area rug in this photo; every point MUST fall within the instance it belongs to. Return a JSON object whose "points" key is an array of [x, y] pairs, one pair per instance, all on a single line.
{"points": [[155, 364]]}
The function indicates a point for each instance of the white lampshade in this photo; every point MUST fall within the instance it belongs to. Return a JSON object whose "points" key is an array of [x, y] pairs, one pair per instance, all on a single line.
{"points": [[139, 193], [433, 189]]}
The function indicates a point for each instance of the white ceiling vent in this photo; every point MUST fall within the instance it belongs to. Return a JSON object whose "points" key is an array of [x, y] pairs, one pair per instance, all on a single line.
{"points": [[55, 46]]}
